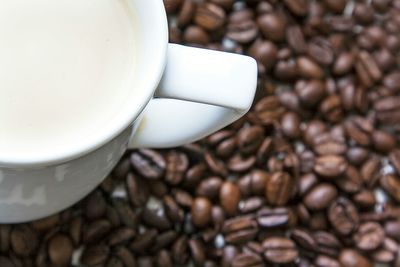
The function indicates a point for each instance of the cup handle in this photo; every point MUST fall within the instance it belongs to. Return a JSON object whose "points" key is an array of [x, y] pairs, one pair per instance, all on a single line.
{"points": [[201, 92]]}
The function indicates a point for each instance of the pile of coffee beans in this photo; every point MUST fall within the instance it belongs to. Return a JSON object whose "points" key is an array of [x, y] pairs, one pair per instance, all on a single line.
{"points": [[309, 177]]}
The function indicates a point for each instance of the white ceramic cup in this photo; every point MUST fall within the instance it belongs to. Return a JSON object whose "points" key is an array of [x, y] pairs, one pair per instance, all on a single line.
{"points": [[183, 95]]}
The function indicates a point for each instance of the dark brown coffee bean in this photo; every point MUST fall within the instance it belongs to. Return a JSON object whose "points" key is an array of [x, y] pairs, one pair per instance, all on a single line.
{"points": [[298, 8], [247, 260], [357, 155], [251, 204], [121, 235], [95, 206], [360, 130], [280, 250], [336, 6], [229, 196], [240, 163], [351, 258], [163, 259], [148, 163], [351, 181], [279, 188], [143, 240], [295, 39], [340, 23], [60, 250], [43, 225], [226, 4], [197, 252], [324, 261], [313, 129], [258, 180], [126, 256], [327, 145], [24, 240], [177, 164], [239, 229], [367, 69], [194, 175], [195, 35], [138, 191], [327, 243], [126, 215], [216, 165], [95, 255], [343, 216], [272, 26], [382, 141], [320, 197], [330, 166], [320, 50], [210, 187], [250, 139], [154, 219], [183, 198], [186, 13], [309, 69], [286, 70], [163, 240], [306, 183], [243, 31], [331, 108], [228, 254], [179, 250], [365, 199], [369, 236], [391, 184], [96, 231], [201, 212], [385, 61], [269, 218], [363, 13], [392, 229], [265, 52], [209, 16], [310, 92], [304, 239], [343, 64], [394, 158], [291, 125]]}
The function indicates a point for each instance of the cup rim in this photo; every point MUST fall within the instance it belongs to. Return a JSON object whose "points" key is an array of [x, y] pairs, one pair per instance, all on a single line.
{"points": [[158, 61]]}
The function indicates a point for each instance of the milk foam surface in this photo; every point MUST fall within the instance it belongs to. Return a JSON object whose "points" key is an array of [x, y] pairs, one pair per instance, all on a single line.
{"points": [[66, 67]]}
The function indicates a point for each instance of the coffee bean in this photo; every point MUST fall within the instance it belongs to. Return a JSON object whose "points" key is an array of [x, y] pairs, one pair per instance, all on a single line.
{"points": [[195, 35], [210, 16], [148, 163], [343, 63], [186, 12], [239, 230], [298, 8], [343, 216], [272, 26], [309, 69], [291, 125], [304, 239], [95, 206], [320, 50], [357, 155], [359, 130], [394, 158], [279, 250], [95, 255], [295, 39], [367, 69], [96, 231], [24, 240], [226, 4], [177, 165], [392, 229], [250, 139], [320, 197], [229, 196], [279, 188], [369, 236], [382, 141], [240, 163], [242, 32], [336, 6], [330, 166], [364, 199], [60, 250], [270, 218], [251, 204], [327, 243], [164, 259], [171, 5], [152, 218], [197, 252], [324, 261], [126, 256], [331, 108], [138, 191], [121, 235], [265, 53], [247, 260], [216, 165], [351, 258], [143, 240], [201, 211], [391, 184]]}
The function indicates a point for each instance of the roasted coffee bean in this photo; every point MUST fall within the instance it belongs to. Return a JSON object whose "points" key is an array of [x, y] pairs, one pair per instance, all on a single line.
{"points": [[279, 188], [272, 26], [239, 230], [383, 142], [172, 5], [343, 216], [351, 258], [265, 52], [364, 199], [216, 165], [309, 69], [336, 6], [306, 183], [210, 187], [295, 39], [148, 163], [391, 184], [24, 240], [240, 163], [280, 250], [95, 206], [96, 231], [357, 155], [304, 239], [270, 218], [197, 252], [152, 218], [343, 64], [324, 261], [313, 129], [392, 229], [291, 125], [186, 12], [320, 50], [210, 16], [320, 197], [247, 260], [144, 240], [331, 108], [394, 158], [251, 204], [250, 139], [179, 250], [121, 235], [95, 255], [327, 243], [229, 196], [298, 8], [360, 130], [138, 191], [177, 164], [201, 212], [243, 31], [330, 166], [369, 236], [195, 35], [60, 249]]}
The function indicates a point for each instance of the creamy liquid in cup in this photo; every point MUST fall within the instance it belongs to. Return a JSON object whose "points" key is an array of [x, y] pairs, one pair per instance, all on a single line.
{"points": [[66, 67]]}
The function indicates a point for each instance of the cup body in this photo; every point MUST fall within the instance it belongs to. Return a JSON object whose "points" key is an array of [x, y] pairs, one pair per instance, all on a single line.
{"points": [[35, 188]]}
